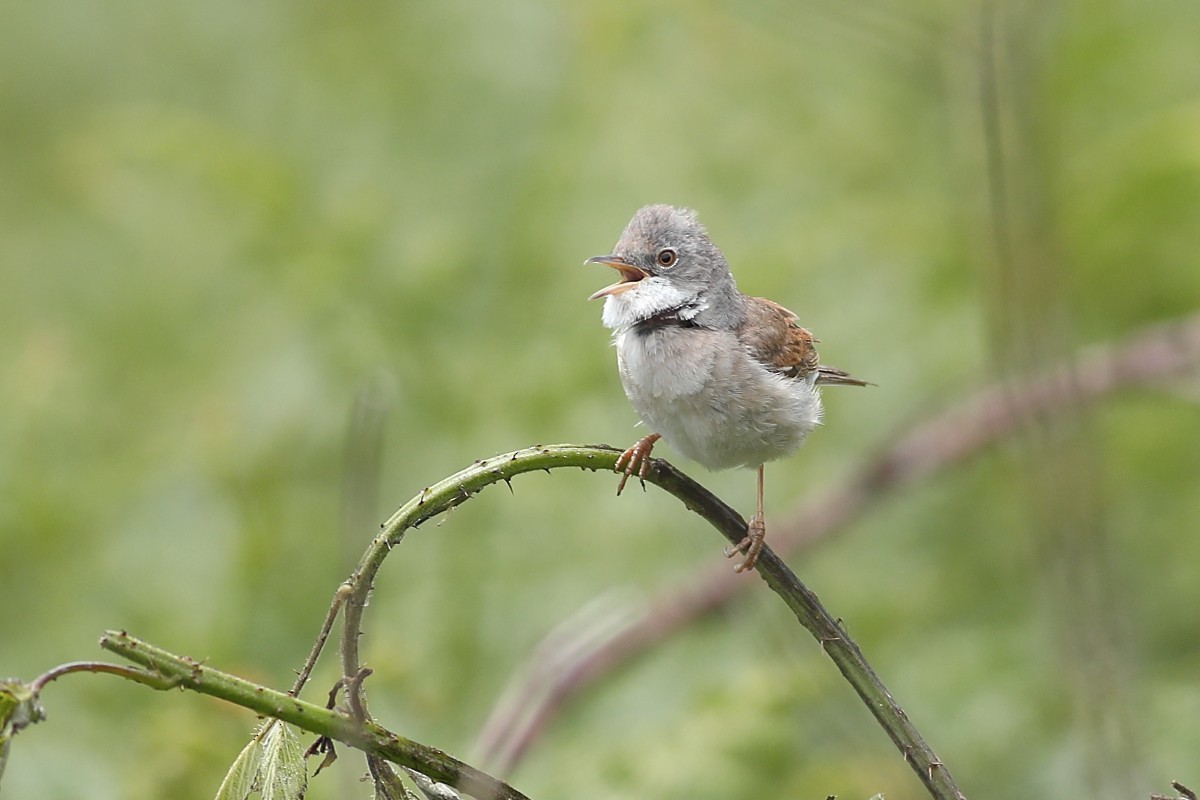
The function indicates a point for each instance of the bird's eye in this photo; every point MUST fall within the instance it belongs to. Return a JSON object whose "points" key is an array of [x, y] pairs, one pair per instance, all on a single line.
{"points": [[667, 257]]}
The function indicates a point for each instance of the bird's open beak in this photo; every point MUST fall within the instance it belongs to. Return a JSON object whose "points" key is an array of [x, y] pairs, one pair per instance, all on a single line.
{"points": [[630, 275]]}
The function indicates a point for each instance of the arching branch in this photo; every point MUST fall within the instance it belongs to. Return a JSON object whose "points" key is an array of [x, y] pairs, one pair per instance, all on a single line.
{"points": [[833, 639]]}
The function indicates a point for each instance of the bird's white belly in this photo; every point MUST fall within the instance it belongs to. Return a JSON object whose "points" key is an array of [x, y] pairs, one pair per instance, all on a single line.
{"points": [[710, 400]]}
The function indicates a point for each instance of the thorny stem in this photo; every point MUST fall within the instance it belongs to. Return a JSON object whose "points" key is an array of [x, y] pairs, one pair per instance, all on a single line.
{"points": [[432, 501], [173, 670], [828, 632], [339, 597], [150, 679]]}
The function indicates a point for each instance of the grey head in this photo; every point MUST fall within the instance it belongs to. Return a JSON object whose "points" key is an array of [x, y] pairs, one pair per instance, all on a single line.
{"points": [[669, 265]]}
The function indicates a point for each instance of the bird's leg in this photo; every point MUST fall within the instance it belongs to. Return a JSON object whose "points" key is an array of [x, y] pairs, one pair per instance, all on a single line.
{"points": [[756, 532], [636, 459]]}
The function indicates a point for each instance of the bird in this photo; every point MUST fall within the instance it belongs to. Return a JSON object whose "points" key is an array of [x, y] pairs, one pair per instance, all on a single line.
{"points": [[726, 379]]}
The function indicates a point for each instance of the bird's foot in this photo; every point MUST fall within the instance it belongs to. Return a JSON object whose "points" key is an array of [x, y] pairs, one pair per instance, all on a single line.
{"points": [[636, 459], [751, 544]]}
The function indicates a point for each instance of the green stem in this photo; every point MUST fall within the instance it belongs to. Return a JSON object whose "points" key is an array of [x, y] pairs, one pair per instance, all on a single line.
{"points": [[442, 496], [368, 737], [832, 637], [154, 681]]}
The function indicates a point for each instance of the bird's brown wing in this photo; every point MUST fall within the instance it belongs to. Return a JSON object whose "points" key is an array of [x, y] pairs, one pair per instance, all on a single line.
{"points": [[775, 338]]}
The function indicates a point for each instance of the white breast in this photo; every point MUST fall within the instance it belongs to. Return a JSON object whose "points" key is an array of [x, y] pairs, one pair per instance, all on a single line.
{"points": [[710, 399]]}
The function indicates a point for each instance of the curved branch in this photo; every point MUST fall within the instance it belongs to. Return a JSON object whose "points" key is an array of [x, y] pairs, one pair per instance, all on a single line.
{"points": [[804, 604], [154, 681]]}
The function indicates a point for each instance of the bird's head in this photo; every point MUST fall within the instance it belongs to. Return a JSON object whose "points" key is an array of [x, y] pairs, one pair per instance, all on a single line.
{"points": [[666, 261]]}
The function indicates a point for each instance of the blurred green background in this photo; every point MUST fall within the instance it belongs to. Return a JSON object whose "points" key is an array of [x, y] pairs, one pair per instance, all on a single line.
{"points": [[224, 227]]}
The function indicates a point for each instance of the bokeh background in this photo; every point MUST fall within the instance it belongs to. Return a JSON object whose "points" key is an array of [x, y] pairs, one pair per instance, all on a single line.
{"points": [[266, 270]]}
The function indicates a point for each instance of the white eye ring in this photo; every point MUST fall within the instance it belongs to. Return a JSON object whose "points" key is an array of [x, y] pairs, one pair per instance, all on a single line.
{"points": [[666, 257]]}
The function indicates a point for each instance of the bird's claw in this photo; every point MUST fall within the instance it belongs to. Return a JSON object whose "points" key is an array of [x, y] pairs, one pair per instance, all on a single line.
{"points": [[751, 544], [635, 459]]}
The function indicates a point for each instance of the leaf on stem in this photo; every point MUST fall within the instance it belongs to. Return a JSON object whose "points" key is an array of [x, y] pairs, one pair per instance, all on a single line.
{"points": [[271, 763], [19, 708], [243, 773], [284, 776]]}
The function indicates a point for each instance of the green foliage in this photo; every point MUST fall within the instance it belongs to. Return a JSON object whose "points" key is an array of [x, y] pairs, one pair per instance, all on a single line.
{"points": [[243, 773], [19, 709], [283, 774], [220, 222], [271, 763]]}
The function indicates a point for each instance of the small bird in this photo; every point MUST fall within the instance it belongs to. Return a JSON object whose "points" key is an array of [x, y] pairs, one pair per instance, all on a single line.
{"points": [[728, 380]]}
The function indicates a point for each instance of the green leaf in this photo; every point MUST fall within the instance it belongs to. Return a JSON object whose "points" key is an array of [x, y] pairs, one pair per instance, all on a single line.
{"points": [[5, 741], [19, 707], [243, 773], [283, 776]]}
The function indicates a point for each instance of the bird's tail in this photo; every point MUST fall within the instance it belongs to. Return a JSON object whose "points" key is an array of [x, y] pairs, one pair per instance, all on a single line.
{"points": [[832, 376]]}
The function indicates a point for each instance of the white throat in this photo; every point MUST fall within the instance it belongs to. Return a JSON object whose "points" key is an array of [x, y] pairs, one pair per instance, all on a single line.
{"points": [[651, 296]]}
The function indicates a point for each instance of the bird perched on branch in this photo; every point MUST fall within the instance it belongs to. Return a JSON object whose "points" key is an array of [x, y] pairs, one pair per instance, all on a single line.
{"points": [[728, 380]]}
